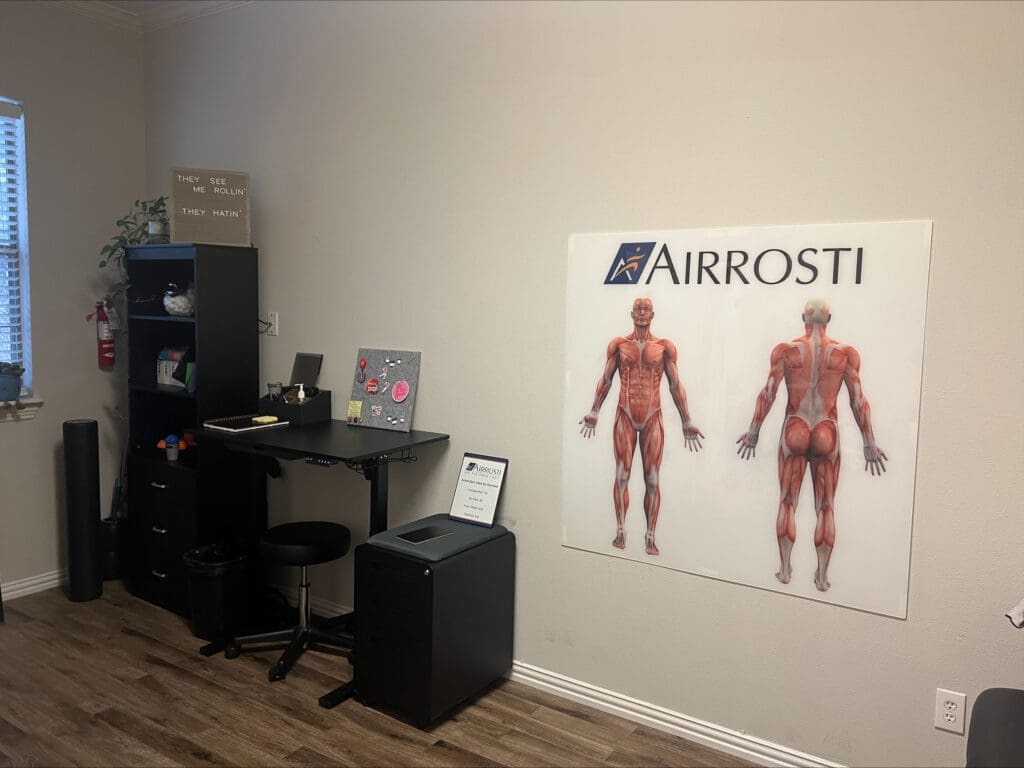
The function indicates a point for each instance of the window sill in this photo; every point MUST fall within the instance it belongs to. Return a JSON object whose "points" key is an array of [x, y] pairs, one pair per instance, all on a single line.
{"points": [[20, 410]]}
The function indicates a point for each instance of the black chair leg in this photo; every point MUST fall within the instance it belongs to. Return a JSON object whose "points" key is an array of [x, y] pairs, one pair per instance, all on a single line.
{"points": [[307, 639], [290, 655], [235, 645]]}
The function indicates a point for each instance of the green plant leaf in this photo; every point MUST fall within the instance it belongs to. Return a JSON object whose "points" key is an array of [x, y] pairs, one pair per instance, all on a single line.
{"points": [[134, 230]]}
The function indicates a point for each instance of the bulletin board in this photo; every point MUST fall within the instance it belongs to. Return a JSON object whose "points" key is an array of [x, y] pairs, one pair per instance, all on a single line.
{"points": [[384, 387]]}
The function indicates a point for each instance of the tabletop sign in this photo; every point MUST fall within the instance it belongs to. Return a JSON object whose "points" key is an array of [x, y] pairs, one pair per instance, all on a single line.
{"points": [[478, 489], [209, 207]]}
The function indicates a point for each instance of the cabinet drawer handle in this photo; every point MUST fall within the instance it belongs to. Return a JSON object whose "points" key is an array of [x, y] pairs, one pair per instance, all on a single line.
{"points": [[158, 574], [160, 486], [158, 530]]}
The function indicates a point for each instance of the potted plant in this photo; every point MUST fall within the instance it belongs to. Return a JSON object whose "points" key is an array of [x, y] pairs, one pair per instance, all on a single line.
{"points": [[10, 381], [146, 222]]}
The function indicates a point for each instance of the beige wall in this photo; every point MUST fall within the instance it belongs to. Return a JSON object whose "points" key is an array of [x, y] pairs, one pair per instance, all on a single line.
{"points": [[416, 171], [81, 83]]}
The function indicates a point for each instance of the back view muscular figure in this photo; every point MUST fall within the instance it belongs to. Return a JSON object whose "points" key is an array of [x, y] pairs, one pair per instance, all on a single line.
{"points": [[640, 358], [814, 368]]}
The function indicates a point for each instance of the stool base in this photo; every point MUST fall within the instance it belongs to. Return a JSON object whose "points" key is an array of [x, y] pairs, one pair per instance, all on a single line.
{"points": [[299, 639]]}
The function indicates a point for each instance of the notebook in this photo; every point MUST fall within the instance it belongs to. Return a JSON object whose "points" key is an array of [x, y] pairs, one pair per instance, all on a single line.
{"points": [[240, 423]]}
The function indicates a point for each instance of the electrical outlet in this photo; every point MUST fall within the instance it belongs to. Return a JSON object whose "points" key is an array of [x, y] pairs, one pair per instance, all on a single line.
{"points": [[272, 324], [950, 709]]}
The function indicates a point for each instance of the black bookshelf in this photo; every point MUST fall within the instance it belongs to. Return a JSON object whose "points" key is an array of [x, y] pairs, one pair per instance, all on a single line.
{"points": [[209, 495]]}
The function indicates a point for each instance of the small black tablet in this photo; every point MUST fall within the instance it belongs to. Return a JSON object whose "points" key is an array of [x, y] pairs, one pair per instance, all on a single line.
{"points": [[306, 369]]}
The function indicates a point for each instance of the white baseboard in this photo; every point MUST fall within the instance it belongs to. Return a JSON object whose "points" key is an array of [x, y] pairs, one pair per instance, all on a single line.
{"points": [[710, 735], [33, 584]]}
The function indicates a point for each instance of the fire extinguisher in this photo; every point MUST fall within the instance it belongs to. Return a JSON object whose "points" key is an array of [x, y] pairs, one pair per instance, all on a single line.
{"points": [[104, 338]]}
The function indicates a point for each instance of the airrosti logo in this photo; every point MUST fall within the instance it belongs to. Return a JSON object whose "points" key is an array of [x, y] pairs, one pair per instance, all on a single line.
{"points": [[474, 467], [629, 263], [727, 266]]}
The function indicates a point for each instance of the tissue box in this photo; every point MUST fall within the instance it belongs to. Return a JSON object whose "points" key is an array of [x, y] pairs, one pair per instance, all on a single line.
{"points": [[310, 411], [167, 363]]}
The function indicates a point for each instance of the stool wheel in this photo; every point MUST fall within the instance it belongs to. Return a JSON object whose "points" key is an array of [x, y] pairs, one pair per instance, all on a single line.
{"points": [[275, 673], [231, 650]]}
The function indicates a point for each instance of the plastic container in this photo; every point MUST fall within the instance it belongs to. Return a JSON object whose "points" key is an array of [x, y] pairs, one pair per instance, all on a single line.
{"points": [[220, 589]]}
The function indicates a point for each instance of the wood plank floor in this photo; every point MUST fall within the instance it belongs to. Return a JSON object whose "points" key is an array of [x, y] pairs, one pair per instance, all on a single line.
{"points": [[117, 681]]}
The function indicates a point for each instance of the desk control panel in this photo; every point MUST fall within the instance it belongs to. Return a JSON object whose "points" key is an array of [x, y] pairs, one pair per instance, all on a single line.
{"points": [[321, 461]]}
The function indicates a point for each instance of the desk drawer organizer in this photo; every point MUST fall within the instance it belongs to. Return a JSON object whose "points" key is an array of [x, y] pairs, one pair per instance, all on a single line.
{"points": [[164, 528]]}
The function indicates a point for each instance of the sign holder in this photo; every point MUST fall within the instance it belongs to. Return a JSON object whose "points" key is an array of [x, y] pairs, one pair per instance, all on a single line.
{"points": [[478, 489]]}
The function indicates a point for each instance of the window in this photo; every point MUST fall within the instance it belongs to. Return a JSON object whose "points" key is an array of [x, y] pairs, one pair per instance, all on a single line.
{"points": [[15, 342]]}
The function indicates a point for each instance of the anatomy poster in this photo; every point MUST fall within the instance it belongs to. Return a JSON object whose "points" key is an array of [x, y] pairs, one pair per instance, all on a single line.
{"points": [[743, 404]]}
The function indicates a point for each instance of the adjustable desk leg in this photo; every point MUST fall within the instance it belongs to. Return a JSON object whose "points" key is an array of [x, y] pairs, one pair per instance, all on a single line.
{"points": [[212, 649], [376, 471], [338, 695]]}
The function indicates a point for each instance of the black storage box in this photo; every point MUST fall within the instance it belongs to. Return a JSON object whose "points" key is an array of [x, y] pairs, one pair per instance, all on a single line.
{"points": [[435, 601], [310, 411]]}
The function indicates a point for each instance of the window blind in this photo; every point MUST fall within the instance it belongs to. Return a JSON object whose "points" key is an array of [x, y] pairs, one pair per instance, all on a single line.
{"points": [[14, 345]]}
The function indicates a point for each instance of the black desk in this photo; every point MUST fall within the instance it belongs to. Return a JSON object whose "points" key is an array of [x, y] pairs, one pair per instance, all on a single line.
{"points": [[364, 448], [332, 442]]}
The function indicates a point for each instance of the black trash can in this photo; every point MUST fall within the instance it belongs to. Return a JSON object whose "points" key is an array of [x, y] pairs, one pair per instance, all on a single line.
{"points": [[220, 591]]}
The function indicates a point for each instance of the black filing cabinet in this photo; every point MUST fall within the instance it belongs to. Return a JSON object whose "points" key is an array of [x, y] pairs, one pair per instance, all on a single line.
{"points": [[433, 620]]}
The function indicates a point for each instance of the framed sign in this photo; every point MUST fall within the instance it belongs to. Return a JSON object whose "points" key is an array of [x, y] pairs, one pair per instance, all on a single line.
{"points": [[478, 489], [210, 207]]}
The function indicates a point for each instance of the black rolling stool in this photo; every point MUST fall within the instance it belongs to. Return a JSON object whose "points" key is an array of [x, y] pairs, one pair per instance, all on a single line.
{"points": [[302, 544]]}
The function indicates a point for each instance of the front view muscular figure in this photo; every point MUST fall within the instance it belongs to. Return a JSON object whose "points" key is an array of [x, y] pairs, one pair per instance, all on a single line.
{"points": [[814, 368], [640, 358]]}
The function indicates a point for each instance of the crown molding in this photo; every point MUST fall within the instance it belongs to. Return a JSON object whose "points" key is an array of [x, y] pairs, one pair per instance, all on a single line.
{"points": [[105, 12], [157, 15], [173, 12]]}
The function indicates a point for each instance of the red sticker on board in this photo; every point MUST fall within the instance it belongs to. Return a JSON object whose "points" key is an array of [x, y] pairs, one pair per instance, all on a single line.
{"points": [[400, 391], [371, 386]]}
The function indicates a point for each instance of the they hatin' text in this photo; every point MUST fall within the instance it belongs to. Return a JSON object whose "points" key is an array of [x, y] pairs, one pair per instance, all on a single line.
{"points": [[217, 212]]}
